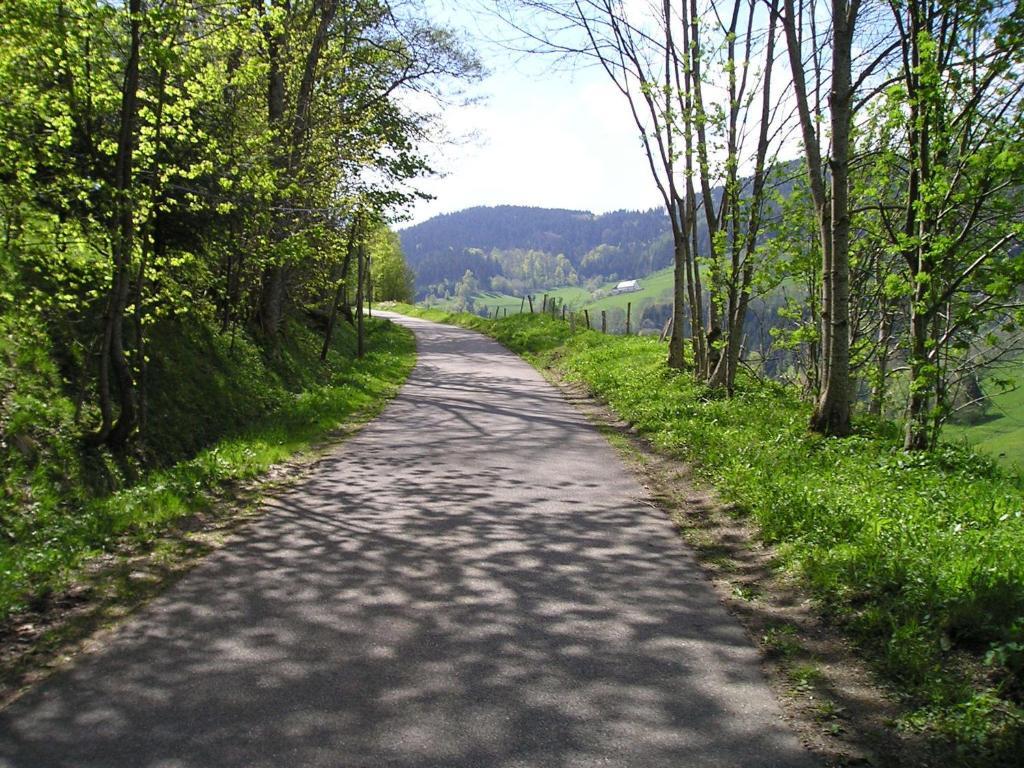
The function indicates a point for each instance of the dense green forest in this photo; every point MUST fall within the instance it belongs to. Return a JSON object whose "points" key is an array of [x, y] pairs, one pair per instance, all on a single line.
{"points": [[195, 201], [513, 249]]}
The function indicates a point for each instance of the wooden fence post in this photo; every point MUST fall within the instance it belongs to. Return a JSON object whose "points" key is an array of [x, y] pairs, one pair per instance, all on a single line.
{"points": [[563, 312], [629, 306], [586, 314], [544, 304], [522, 305], [604, 321], [530, 299]]}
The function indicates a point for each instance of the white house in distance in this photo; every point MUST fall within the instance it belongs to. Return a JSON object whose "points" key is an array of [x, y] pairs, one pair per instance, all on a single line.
{"points": [[626, 286]]}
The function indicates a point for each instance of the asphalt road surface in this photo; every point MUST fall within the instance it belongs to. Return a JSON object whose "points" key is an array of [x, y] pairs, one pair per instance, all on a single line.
{"points": [[473, 580]]}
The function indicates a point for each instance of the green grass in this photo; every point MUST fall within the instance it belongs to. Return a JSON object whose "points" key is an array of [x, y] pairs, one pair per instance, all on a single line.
{"points": [[573, 296], [52, 524], [656, 288], [919, 556], [1001, 434]]}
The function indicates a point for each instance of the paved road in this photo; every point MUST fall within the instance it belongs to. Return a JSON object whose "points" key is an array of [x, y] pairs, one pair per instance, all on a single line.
{"points": [[474, 580]]}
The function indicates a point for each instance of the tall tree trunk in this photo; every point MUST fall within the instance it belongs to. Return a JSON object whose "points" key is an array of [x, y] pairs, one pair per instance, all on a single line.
{"points": [[151, 242], [225, 316], [360, 281], [813, 313], [916, 429], [113, 359], [832, 414], [698, 330], [341, 290], [714, 319], [918, 227], [272, 292], [744, 241], [676, 355], [880, 385], [293, 140], [332, 319], [688, 207], [328, 9], [272, 289]]}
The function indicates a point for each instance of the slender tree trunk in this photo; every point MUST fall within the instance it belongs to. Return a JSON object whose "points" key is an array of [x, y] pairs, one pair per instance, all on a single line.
{"points": [[916, 430], [737, 320], [922, 378], [304, 100], [714, 319], [687, 209], [744, 241], [940, 381], [832, 414], [878, 390], [702, 347], [360, 281], [114, 361], [814, 287], [332, 319], [272, 289], [225, 310], [676, 355], [151, 242], [341, 290]]}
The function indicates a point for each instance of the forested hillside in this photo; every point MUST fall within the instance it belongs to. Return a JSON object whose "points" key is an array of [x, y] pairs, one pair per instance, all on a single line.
{"points": [[515, 248]]}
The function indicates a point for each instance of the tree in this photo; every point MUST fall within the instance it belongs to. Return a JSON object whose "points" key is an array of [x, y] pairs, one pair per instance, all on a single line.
{"points": [[955, 136], [190, 160], [392, 278], [662, 59], [830, 194], [467, 288]]}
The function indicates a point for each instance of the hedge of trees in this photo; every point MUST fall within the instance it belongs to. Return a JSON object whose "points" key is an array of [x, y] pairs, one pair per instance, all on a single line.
{"points": [[905, 224], [212, 162]]}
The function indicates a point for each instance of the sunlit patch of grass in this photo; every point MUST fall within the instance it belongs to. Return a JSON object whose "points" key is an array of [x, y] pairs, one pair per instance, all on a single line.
{"points": [[781, 640], [746, 593]]}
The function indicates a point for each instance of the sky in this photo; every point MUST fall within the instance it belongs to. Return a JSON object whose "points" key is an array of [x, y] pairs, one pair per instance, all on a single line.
{"points": [[546, 136]]}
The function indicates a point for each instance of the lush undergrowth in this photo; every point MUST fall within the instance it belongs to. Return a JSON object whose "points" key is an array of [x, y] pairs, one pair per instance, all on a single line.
{"points": [[220, 409], [919, 556]]}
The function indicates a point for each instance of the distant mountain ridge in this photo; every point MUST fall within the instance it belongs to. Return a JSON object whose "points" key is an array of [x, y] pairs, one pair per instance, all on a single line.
{"points": [[524, 247]]}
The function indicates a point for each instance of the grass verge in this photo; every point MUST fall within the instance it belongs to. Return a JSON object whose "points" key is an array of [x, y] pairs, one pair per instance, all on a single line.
{"points": [[918, 556], [51, 535]]}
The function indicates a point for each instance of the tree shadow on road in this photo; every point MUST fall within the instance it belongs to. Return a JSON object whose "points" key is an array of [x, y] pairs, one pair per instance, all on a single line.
{"points": [[476, 581]]}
